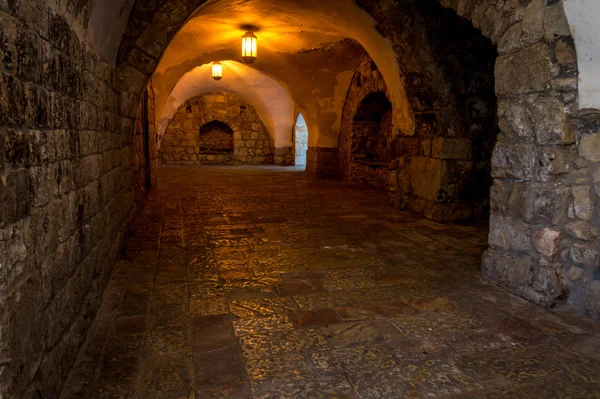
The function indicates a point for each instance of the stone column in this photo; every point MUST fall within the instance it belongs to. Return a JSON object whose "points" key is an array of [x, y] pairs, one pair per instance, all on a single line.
{"points": [[322, 163], [284, 156]]}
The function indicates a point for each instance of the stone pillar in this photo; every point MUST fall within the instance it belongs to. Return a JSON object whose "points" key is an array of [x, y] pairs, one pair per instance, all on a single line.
{"points": [[322, 163], [284, 156]]}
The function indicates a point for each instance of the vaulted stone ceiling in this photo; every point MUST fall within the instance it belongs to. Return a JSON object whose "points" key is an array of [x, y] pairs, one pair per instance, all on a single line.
{"points": [[310, 47], [271, 101]]}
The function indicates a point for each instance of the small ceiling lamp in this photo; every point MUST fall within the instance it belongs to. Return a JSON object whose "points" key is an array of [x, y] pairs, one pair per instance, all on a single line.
{"points": [[249, 47], [217, 71]]}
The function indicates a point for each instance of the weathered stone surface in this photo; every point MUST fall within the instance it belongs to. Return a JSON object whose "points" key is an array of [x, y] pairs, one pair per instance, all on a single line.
{"points": [[547, 241], [581, 230], [589, 146], [546, 280], [533, 22], [507, 269], [515, 119], [514, 161], [192, 136], [547, 203], [425, 177], [584, 255], [554, 161], [576, 273], [551, 126], [583, 202], [510, 234], [447, 148], [322, 305], [525, 71], [555, 22]]}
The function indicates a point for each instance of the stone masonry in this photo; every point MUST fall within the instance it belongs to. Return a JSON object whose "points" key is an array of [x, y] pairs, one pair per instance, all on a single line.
{"points": [[543, 243], [69, 184], [182, 142], [66, 191], [443, 169]]}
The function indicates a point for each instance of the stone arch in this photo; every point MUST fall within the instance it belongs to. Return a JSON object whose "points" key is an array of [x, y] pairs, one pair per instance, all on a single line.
{"points": [[536, 85], [248, 139], [272, 102], [140, 51], [371, 129]]}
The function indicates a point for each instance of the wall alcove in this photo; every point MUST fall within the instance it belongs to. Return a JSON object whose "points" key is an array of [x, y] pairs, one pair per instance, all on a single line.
{"points": [[215, 137], [371, 130]]}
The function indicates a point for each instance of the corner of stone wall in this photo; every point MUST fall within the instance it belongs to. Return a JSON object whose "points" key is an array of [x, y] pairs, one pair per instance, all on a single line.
{"points": [[284, 156], [322, 163]]}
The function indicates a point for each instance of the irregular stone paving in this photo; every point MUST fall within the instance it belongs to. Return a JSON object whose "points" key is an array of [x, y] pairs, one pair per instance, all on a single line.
{"points": [[243, 282]]}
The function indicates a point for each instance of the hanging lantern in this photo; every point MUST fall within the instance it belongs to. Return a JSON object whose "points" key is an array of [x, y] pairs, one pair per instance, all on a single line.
{"points": [[249, 47], [217, 71]]}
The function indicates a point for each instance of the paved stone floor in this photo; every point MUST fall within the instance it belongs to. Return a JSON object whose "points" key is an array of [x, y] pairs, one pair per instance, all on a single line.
{"points": [[258, 283]]}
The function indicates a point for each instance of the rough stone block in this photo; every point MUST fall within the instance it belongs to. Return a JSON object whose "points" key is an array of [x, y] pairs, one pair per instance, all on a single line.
{"points": [[533, 22], [551, 124], [510, 270], [548, 282], [450, 148], [584, 255], [583, 202], [515, 120], [426, 174], [576, 273], [554, 161], [555, 22], [547, 203], [547, 241], [589, 146], [514, 161], [509, 234], [15, 199], [528, 70], [581, 230]]}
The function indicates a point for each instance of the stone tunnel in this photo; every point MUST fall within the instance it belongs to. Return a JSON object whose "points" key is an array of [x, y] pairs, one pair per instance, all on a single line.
{"points": [[380, 199]]}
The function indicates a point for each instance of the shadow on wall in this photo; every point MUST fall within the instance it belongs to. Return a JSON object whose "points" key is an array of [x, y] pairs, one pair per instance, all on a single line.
{"points": [[301, 141]]}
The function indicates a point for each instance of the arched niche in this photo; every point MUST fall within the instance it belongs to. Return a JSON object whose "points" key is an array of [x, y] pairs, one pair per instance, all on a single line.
{"points": [[215, 137], [372, 130]]}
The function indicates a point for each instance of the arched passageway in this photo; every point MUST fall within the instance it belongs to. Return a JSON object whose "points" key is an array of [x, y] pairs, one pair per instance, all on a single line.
{"points": [[300, 141], [84, 89]]}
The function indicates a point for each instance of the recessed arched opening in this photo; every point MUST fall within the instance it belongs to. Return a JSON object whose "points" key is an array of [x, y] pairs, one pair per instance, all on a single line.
{"points": [[215, 137], [300, 142], [372, 130], [216, 128]]}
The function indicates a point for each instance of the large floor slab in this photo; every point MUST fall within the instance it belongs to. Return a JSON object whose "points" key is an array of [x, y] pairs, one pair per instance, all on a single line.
{"points": [[246, 282]]}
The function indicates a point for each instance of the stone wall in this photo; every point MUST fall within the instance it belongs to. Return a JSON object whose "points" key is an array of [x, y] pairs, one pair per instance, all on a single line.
{"points": [[367, 80], [66, 191], [182, 142], [141, 182], [443, 170], [284, 156], [322, 163], [543, 243]]}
